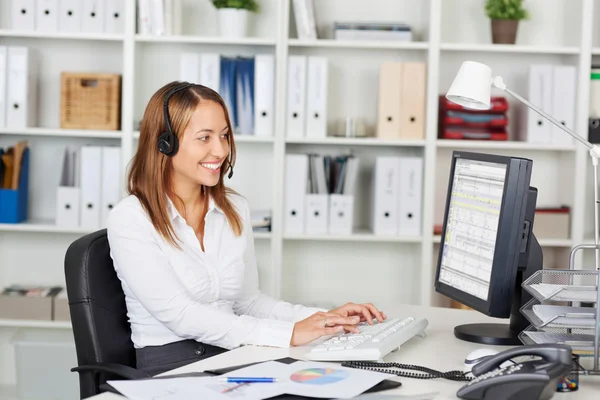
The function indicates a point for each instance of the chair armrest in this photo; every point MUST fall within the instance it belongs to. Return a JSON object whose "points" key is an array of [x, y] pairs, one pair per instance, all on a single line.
{"points": [[123, 371]]}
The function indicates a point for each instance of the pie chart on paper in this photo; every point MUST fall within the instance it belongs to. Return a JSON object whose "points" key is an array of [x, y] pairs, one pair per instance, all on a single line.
{"points": [[319, 376]]}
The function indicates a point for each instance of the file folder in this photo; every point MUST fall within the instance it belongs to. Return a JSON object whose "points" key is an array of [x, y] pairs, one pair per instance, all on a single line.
{"points": [[317, 214], [410, 196], [210, 70], [21, 91], [68, 193], [3, 86], [46, 15], [389, 124], [564, 98], [316, 99], [228, 89], [92, 20], [70, 13], [111, 181], [412, 107], [91, 186], [23, 15], [189, 68], [540, 93], [244, 83], [341, 214], [264, 95], [384, 218], [296, 102], [114, 16], [296, 178]]}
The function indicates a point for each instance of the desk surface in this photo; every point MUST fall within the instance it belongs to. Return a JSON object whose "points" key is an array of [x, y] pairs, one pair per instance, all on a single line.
{"points": [[439, 350]]}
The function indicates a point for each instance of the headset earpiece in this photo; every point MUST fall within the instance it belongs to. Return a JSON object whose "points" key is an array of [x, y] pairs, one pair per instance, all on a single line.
{"points": [[168, 144]]}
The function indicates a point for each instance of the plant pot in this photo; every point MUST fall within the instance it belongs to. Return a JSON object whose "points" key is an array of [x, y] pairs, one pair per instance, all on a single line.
{"points": [[233, 22], [504, 31]]}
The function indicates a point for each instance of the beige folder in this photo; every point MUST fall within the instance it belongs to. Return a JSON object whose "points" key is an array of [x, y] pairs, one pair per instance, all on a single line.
{"points": [[412, 101], [390, 89]]}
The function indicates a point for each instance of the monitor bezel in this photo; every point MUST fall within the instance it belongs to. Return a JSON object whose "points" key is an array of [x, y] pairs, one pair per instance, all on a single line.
{"points": [[506, 254]]}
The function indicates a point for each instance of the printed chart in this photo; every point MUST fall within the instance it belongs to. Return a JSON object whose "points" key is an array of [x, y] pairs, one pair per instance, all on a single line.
{"points": [[319, 376]]}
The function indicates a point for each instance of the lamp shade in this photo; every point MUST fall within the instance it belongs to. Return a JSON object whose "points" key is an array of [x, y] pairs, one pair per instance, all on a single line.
{"points": [[471, 87]]}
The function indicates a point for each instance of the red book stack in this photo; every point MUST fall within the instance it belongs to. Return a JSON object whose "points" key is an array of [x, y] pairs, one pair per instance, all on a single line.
{"points": [[457, 122]]}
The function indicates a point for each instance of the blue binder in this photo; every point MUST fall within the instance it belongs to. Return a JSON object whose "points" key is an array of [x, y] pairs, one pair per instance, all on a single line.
{"points": [[13, 203]]}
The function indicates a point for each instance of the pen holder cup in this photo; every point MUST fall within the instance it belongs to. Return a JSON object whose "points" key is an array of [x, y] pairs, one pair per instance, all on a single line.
{"points": [[13, 202], [570, 382]]}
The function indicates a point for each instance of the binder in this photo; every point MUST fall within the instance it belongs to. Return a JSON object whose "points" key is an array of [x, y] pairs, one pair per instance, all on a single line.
{"points": [[412, 103], [264, 95], [316, 98], [91, 186], [70, 13], [3, 85], [296, 178], [384, 217], [296, 102], [341, 214], [158, 17], [68, 193], [114, 16], [144, 17], [210, 70], [92, 20], [317, 200], [410, 189], [111, 181], [46, 15], [228, 89], [189, 68], [540, 93], [389, 124], [564, 98], [244, 84], [23, 15], [21, 88]]}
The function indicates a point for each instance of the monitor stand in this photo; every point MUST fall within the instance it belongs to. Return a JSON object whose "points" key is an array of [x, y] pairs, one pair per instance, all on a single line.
{"points": [[508, 334]]}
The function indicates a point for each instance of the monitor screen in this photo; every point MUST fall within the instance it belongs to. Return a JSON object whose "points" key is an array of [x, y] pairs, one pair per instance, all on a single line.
{"points": [[472, 226]]}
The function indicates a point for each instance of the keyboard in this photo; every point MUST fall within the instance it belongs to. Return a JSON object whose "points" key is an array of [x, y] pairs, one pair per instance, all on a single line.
{"points": [[372, 343]]}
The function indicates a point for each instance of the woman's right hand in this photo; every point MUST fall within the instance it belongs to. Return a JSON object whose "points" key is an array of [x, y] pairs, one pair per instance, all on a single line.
{"points": [[322, 324]]}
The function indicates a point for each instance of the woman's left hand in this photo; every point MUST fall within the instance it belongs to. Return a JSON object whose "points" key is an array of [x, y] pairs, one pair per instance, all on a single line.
{"points": [[366, 311]]}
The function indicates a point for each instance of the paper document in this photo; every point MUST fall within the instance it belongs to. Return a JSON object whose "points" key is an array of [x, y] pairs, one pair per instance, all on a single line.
{"points": [[560, 315], [549, 291]]}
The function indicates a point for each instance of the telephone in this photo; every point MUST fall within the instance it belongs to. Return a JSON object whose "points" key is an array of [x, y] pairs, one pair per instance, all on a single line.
{"points": [[528, 380]]}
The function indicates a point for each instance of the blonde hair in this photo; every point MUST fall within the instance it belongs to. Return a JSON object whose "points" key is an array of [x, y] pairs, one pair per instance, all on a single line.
{"points": [[149, 178]]}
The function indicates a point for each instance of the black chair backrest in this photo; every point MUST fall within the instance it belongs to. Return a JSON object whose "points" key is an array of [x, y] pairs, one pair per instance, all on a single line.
{"points": [[98, 312]]}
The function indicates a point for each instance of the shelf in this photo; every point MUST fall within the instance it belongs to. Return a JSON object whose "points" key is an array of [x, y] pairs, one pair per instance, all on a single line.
{"points": [[507, 48], [596, 51], [357, 141], [61, 35], [205, 40], [27, 323], [42, 227], [358, 44], [542, 242], [501, 145], [262, 235], [57, 132], [358, 236], [238, 138]]}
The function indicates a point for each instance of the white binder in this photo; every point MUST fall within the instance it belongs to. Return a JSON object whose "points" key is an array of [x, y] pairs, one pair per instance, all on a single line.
{"points": [[341, 214], [23, 15], [540, 93], [384, 218], [410, 196], [264, 92], [296, 102], [91, 186], [317, 214], [564, 97], [189, 67], [210, 71], [3, 75], [296, 177], [111, 181], [390, 101], [68, 193], [21, 88], [114, 16], [70, 13], [92, 20], [46, 15], [316, 97]]}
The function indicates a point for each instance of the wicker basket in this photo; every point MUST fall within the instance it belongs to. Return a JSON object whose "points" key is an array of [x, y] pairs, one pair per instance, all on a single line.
{"points": [[90, 101]]}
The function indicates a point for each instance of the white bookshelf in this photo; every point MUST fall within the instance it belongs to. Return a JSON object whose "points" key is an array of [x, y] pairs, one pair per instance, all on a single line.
{"points": [[311, 269]]}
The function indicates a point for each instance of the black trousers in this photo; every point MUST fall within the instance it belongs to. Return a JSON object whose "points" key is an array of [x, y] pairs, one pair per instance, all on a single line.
{"points": [[158, 359]]}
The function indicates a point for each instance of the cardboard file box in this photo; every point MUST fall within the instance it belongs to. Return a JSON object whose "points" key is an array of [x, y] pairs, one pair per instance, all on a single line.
{"points": [[13, 202], [14, 304], [552, 223]]}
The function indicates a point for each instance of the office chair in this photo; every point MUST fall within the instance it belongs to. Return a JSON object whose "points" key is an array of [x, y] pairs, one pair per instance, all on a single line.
{"points": [[101, 328]]}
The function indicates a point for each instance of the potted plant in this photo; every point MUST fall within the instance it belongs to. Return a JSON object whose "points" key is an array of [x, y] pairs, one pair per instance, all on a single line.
{"points": [[505, 16], [233, 16]]}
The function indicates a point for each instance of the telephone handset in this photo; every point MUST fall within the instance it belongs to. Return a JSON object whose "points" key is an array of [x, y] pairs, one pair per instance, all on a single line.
{"points": [[528, 380]]}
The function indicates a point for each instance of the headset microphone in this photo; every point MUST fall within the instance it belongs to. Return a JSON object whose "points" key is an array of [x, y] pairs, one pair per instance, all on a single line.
{"points": [[168, 143]]}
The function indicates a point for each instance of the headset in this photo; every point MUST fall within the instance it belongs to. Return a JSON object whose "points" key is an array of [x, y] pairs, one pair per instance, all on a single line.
{"points": [[168, 144]]}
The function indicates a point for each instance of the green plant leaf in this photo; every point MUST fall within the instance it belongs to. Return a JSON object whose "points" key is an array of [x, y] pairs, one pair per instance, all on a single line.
{"points": [[250, 5], [506, 9]]}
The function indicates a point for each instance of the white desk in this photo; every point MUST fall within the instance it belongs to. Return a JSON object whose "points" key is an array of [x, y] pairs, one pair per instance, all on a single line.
{"points": [[440, 350]]}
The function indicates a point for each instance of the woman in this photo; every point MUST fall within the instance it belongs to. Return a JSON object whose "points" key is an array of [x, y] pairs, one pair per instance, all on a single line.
{"points": [[183, 248]]}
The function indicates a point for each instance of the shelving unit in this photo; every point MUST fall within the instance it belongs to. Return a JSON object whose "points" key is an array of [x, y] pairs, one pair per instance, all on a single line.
{"points": [[310, 269]]}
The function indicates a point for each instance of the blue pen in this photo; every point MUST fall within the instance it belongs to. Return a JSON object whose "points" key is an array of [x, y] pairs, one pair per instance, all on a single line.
{"points": [[234, 379]]}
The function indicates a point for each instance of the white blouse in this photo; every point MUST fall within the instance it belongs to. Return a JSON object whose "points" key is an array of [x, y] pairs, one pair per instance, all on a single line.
{"points": [[211, 297]]}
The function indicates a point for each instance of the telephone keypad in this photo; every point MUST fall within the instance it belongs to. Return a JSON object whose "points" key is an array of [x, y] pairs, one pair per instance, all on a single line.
{"points": [[496, 372]]}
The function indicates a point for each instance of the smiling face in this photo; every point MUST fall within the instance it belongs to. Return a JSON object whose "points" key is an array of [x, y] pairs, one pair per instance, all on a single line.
{"points": [[203, 147]]}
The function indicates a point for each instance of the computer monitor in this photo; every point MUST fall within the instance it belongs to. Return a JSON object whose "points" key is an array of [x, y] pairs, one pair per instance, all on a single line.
{"points": [[488, 247]]}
